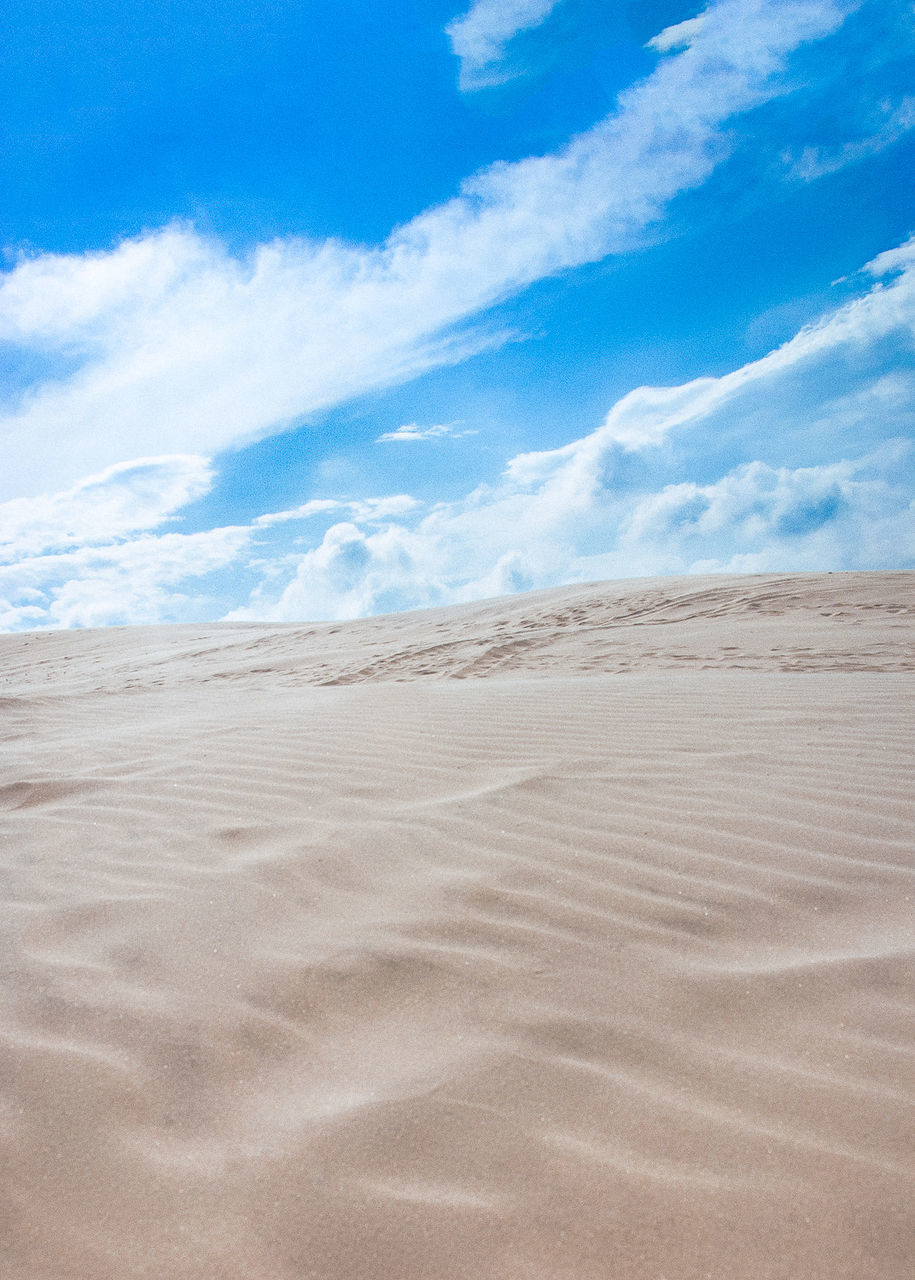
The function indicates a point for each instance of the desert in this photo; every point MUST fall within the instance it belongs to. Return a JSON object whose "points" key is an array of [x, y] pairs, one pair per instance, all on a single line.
{"points": [[565, 936]]}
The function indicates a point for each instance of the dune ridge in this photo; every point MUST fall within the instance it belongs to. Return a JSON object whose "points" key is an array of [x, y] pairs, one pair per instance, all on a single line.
{"points": [[568, 935]]}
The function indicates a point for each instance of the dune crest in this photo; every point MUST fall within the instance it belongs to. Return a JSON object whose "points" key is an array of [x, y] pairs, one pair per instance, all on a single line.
{"points": [[567, 935]]}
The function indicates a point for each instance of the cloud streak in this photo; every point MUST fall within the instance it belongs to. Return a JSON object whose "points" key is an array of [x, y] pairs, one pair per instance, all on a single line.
{"points": [[412, 432], [817, 162], [184, 348]]}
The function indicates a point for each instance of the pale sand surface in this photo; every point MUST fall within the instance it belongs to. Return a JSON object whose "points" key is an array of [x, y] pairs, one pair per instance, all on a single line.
{"points": [[319, 961]]}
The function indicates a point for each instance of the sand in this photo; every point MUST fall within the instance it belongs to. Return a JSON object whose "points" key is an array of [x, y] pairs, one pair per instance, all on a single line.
{"points": [[563, 936]]}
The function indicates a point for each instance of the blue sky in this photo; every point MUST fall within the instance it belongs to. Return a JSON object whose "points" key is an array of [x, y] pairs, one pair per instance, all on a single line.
{"points": [[316, 311]]}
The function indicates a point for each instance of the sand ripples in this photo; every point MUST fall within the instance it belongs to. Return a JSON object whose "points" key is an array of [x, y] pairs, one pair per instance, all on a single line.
{"points": [[548, 976]]}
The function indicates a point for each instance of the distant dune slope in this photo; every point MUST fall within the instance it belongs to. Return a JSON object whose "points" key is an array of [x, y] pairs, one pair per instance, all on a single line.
{"points": [[795, 622], [323, 956]]}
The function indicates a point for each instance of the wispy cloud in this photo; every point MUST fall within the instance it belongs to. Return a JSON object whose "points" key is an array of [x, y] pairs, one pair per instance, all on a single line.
{"points": [[184, 348], [412, 431], [366, 509], [817, 162], [480, 36]]}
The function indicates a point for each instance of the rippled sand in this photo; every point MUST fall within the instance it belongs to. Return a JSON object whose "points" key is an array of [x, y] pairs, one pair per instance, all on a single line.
{"points": [[564, 936]]}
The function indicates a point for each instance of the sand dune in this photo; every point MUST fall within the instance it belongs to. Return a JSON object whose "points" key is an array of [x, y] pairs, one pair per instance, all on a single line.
{"points": [[563, 936]]}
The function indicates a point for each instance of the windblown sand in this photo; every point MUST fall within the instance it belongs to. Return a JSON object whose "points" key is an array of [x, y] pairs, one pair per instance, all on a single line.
{"points": [[560, 937]]}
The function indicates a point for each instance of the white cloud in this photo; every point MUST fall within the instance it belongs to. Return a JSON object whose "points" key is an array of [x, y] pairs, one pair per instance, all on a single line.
{"points": [[145, 579], [412, 431], [185, 348], [847, 514], [119, 501], [680, 36], [842, 515], [353, 572], [74, 558], [559, 515], [555, 516], [644, 417], [479, 37], [69, 559]]}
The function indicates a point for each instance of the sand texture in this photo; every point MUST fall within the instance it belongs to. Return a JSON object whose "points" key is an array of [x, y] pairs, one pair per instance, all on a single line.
{"points": [[563, 937]]}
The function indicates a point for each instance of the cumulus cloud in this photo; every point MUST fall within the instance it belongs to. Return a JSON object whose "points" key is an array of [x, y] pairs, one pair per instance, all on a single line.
{"points": [[849, 514], [479, 37], [74, 559], [353, 572], [182, 347]]}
